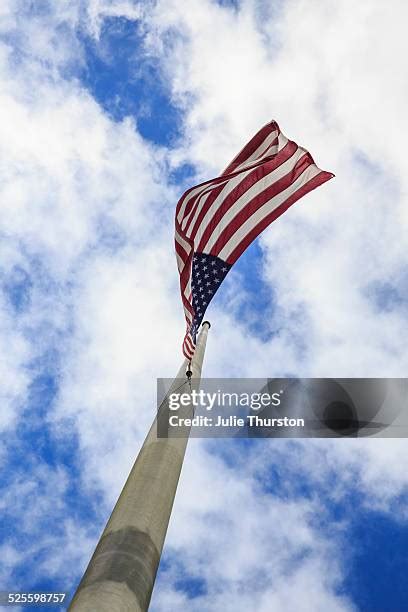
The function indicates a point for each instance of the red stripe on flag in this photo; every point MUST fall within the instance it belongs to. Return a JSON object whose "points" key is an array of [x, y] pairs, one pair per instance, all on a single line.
{"points": [[251, 146], [180, 250], [254, 177], [319, 179], [215, 191], [259, 200]]}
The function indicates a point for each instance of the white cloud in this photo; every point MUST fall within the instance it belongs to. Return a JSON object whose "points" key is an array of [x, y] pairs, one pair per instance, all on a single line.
{"points": [[253, 550], [85, 213], [35, 502], [98, 10], [14, 352]]}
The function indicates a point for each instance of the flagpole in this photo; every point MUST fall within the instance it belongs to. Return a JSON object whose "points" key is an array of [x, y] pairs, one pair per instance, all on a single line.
{"points": [[121, 573]]}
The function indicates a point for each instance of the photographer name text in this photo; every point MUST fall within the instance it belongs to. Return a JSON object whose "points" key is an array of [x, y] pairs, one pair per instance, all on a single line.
{"points": [[251, 420]]}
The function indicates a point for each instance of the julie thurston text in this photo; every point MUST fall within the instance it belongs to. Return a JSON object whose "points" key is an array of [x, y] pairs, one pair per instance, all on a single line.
{"points": [[251, 420]]}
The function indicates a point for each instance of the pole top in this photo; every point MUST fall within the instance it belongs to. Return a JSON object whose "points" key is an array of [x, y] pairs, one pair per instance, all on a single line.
{"points": [[206, 323]]}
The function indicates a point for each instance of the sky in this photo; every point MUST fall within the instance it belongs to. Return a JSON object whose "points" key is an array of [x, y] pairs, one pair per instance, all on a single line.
{"points": [[109, 110]]}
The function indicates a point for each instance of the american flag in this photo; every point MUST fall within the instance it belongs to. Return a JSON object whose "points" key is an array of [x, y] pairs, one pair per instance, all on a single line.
{"points": [[218, 219]]}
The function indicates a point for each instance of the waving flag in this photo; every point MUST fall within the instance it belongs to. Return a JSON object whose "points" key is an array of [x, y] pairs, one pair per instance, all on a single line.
{"points": [[217, 220]]}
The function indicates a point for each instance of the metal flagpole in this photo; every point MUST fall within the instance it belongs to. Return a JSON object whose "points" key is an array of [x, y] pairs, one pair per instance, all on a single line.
{"points": [[121, 573]]}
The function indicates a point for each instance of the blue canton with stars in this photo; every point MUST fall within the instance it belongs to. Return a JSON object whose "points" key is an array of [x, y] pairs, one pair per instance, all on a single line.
{"points": [[207, 275]]}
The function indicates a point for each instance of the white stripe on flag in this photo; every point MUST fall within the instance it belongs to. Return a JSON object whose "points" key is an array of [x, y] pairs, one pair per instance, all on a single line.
{"points": [[231, 184], [195, 209], [260, 151], [256, 189], [266, 209]]}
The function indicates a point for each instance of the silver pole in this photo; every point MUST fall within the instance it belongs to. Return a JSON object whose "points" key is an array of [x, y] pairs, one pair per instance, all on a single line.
{"points": [[121, 573]]}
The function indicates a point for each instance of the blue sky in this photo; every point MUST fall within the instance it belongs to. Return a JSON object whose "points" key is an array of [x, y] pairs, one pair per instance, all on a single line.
{"points": [[110, 110]]}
